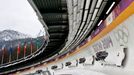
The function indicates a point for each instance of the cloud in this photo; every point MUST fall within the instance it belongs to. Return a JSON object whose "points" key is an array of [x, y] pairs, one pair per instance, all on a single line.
{"points": [[19, 15]]}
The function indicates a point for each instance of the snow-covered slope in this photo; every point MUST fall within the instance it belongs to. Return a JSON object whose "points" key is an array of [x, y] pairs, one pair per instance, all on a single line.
{"points": [[7, 35]]}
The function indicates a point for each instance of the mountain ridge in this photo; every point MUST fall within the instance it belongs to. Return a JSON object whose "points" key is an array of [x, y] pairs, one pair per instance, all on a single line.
{"points": [[8, 35]]}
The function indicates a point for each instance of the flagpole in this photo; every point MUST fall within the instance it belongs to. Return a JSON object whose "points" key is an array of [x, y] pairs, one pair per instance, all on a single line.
{"points": [[2, 58], [31, 50], [37, 42], [17, 54], [24, 54], [17, 49], [10, 58], [31, 46], [25, 47], [10, 53], [3, 49]]}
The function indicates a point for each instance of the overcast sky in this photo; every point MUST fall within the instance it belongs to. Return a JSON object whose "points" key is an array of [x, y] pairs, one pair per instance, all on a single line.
{"points": [[18, 15]]}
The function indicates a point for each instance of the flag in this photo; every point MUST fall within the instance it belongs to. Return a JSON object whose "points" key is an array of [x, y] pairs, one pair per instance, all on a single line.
{"points": [[31, 46], [25, 47], [3, 49], [10, 53], [37, 43], [18, 49], [10, 49], [0, 51], [3, 52]]}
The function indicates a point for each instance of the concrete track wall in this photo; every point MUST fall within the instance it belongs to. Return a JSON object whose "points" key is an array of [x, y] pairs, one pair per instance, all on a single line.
{"points": [[113, 39]]}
